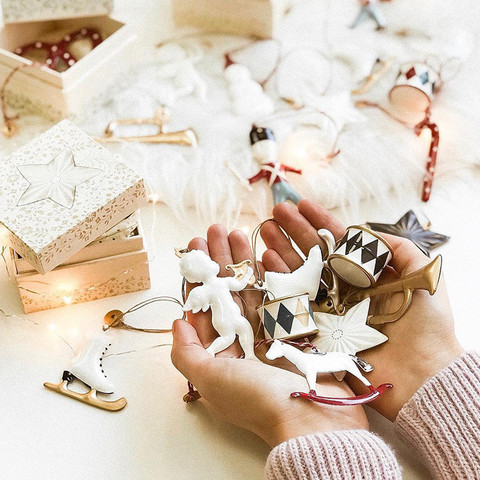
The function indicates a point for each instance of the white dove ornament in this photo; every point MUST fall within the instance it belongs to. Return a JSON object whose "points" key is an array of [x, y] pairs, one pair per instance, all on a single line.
{"points": [[197, 267]]}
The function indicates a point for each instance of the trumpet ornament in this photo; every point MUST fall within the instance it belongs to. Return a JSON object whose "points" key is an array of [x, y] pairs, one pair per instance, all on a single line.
{"points": [[162, 116], [426, 278]]}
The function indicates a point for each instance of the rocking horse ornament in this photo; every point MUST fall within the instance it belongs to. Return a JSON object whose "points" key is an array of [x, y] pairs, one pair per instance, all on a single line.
{"points": [[311, 364]]}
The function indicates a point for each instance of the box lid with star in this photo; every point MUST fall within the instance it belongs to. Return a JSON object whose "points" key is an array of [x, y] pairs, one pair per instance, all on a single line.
{"points": [[60, 192]]}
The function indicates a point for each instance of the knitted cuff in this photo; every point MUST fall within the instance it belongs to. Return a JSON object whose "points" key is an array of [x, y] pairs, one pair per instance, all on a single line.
{"points": [[442, 420], [340, 455]]}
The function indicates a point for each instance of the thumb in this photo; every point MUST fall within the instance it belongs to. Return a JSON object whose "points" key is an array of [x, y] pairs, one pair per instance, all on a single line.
{"points": [[188, 353]]}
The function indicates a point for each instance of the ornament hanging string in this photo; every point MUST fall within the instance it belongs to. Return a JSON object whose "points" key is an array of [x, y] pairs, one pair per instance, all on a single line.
{"points": [[417, 129], [297, 114], [115, 318], [10, 126]]}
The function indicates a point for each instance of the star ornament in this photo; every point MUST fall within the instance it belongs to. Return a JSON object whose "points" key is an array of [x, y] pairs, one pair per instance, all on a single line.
{"points": [[56, 180], [348, 333], [410, 227]]}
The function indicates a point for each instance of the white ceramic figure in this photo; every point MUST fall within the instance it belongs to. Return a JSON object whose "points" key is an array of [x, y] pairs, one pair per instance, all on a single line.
{"points": [[88, 368], [348, 333], [247, 95], [311, 364], [304, 279], [197, 267]]}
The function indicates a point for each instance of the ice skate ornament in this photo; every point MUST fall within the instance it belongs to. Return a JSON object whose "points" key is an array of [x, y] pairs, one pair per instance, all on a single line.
{"points": [[311, 364], [370, 9], [197, 267], [247, 95], [265, 153], [88, 368]]}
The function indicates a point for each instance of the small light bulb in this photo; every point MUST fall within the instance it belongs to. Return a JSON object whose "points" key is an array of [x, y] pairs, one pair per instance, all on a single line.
{"points": [[52, 327], [67, 300], [154, 198]]}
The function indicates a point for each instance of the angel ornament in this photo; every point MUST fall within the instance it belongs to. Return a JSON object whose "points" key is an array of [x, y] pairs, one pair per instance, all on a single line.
{"points": [[197, 267], [265, 153]]}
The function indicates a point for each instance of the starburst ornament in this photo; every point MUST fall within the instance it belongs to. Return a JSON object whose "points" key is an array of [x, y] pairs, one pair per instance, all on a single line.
{"points": [[348, 333], [410, 227], [56, 180]]}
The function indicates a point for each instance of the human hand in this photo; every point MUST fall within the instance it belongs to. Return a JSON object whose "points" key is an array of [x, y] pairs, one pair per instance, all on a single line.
{"points": [[248, 393], [420, 343]]}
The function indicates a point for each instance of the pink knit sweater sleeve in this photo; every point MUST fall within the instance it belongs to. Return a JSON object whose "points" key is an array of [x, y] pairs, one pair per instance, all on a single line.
{"points": [[442, 420], [340, 455]]}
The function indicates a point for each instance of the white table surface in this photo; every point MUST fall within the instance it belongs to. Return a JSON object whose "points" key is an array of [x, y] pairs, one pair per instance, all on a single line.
{"points": [[47, 436]]}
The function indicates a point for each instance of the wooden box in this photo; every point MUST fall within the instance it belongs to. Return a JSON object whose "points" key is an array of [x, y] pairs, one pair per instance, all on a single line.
{"points": [[57, 95], [90, 277], [259, 18]]}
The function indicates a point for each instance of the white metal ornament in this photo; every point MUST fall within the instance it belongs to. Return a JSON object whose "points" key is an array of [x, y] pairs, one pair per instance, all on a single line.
{"points": [[305, 279], [311, 364], [197, 267], [88, 368], [348, 333]]}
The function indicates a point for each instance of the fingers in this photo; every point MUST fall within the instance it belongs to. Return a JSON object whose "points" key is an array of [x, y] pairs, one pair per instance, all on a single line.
{"points": [[219, 247], [407, 256], [273, 262], [188, 354], [320, 217], [276, 240]]}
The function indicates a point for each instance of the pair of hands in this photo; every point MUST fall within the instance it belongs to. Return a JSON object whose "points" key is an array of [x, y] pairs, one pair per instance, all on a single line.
{"points": [[256, 395]]}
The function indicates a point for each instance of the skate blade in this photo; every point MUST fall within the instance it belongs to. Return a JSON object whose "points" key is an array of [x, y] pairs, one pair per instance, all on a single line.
{"points": [[90, 398]]}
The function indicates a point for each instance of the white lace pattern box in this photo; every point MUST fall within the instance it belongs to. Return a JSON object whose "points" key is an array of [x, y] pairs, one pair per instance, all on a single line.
{"points": [[15, 11], [59, 94], [62, 191]]}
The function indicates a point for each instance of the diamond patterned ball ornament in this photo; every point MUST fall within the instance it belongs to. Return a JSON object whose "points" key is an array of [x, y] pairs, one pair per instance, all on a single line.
{"points": [[348, 333], [409, 227]]}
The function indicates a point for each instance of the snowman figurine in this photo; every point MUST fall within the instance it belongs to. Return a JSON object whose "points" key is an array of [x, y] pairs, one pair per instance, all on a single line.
{"points": [[265, 153]]}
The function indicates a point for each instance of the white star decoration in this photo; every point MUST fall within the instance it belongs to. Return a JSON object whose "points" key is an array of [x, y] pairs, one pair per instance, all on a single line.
{"points": [[348, 333], [56, 180]]}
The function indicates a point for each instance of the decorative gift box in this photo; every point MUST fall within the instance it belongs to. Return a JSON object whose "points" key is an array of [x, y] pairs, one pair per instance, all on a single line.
{"points": [[259, 18], [86, 280], [29, 11], [48, 92], [60, 192]]}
